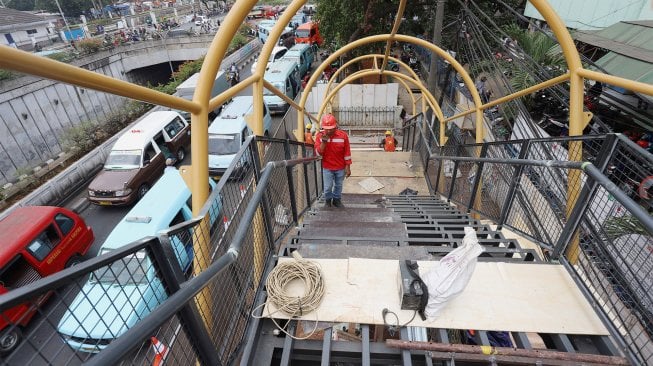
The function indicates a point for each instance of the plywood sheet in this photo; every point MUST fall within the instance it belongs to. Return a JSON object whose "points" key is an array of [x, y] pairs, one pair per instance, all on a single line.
{"points": [[370, 184], [385, 164], [392, 186], [500, 296]]}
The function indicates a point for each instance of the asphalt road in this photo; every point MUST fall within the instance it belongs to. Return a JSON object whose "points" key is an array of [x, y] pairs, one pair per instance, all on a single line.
{"points": [[44, 345]]}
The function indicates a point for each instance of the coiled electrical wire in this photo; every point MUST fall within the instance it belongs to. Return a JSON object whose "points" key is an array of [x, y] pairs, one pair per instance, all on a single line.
{"points": [[283, 274], [279, 279]]}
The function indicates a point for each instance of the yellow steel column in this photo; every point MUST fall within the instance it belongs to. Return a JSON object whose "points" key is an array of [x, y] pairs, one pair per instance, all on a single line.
{"points": [[575, 109], [199, 171]]}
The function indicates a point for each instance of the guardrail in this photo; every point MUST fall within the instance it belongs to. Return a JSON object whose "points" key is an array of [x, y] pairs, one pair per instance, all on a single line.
{"points": [[593, 215], [206, 314]]}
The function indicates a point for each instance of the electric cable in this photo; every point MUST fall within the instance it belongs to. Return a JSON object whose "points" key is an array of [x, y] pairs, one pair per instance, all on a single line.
{"points": [[294, 306], [393, 328]]}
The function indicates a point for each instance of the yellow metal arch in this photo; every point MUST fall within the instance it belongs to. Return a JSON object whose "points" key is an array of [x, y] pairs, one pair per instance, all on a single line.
{"points": [[363, 73], [402, 38], [334, 76]]}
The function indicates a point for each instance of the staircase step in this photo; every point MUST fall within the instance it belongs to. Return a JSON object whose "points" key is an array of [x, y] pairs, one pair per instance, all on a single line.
{"points": [[367, 216], [362, 198], [340, 251], [346, 240], [356, 230]]}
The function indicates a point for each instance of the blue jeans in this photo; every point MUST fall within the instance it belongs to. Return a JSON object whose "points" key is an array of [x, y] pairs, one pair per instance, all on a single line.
{"points": [[332, 180]]}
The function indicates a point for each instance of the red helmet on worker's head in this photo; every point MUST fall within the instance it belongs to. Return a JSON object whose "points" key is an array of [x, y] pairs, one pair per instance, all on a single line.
{"points": [[328, 121]]}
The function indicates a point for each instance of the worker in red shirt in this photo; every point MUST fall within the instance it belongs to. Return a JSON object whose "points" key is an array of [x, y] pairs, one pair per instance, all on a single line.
{"points": [[389, 143], [333, 145]]}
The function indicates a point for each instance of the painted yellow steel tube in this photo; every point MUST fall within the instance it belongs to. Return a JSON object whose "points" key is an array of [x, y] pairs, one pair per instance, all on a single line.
{"points": [[395, 28], [270, 42], [576, 88], [365, 57], [632, 85], [414, 40], [363, 73], [29, 63]]}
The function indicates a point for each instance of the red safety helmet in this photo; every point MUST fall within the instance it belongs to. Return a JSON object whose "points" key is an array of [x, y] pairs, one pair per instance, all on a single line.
{"points": [[643, 143], [328, 121]]}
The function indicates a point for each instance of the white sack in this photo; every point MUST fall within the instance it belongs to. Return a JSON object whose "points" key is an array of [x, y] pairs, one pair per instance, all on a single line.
{"points": [[450, 275]]}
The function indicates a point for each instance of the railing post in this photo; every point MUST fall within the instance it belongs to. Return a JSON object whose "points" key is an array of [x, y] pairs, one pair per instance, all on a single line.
{"points": [[291, 185], [267, 215], [454, 173], [584, 198], [438, 172], [412, 147], [477, 179], [510, 196], [308, 187], [171, 276]]}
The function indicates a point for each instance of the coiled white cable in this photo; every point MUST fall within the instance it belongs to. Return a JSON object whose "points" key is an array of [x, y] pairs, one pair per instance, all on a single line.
{"points": [[281, 276]]}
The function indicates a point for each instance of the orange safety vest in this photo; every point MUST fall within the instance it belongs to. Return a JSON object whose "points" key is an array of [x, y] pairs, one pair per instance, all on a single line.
{"points": [[308, 138], [389, 144]]}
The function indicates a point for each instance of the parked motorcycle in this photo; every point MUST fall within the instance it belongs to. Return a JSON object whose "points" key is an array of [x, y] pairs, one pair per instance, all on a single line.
{"points": [[233, 77]]}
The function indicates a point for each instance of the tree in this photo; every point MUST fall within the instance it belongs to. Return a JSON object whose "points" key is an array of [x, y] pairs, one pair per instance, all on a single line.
{"points": [[543, 50]]}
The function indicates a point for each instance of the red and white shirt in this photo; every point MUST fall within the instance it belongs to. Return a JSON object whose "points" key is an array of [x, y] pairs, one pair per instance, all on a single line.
{"points": [[337, 153]]}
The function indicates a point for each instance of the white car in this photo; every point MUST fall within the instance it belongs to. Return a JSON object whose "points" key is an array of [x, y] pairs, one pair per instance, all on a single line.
{"points": [[199, 20], [277, 53]]}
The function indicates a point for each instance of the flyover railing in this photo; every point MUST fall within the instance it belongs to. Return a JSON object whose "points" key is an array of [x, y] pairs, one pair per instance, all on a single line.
{"points": [[138, 299], [593, 216]]}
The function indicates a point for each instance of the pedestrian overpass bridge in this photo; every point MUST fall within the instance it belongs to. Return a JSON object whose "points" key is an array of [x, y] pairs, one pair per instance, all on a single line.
{"points": [[565, 275]]}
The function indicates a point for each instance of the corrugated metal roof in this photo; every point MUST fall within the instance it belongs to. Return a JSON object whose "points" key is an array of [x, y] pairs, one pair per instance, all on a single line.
{"points": [[11, 16], [632, 39], [631, 49], [627, 67], [595, 14]]}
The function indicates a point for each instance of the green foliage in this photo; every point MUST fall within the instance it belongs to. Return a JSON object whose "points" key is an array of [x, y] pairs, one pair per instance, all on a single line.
{"points": [[87, 135], [617, 226], [273, 2], [185, 70], [89, 45], [237, 42], [6, 74], [61, 56], [80, 138]]}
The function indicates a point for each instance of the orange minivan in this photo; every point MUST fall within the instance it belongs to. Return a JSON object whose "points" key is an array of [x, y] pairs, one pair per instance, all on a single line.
{"points": [[36, 241]]}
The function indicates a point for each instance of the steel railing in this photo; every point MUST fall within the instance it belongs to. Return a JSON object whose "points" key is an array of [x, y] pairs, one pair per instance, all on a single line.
{"points": [[597, 221], [197, 314]]}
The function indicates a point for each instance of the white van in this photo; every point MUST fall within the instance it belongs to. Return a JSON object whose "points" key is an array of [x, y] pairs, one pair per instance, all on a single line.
{"points": [[229, 130], [138, 158], [283, 75], [276, 54]]}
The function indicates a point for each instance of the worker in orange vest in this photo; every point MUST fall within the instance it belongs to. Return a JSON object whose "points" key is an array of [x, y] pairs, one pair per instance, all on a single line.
{"points": [[308, 135], [389, 143]]}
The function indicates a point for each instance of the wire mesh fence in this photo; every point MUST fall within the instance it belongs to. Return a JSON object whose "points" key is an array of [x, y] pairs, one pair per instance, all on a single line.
{"points": [[366, 117], [600, 228], [75, 316]]}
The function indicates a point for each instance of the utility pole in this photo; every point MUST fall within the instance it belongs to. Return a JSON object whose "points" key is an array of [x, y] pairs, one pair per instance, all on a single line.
{"points": [[437, 40], [64, 19]]}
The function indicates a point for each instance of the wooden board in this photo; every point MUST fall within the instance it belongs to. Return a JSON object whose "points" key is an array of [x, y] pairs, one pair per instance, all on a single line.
{"points": [[500, 296]]}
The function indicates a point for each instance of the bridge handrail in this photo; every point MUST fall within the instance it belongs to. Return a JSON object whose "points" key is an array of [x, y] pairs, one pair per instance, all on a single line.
{"points": [[601, 238], [114, 353]]}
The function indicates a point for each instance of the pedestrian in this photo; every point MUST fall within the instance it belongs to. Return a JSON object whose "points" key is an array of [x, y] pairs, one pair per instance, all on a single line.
{"points": [[482, 90], [308, 135], [333, 145], [389, 143]]}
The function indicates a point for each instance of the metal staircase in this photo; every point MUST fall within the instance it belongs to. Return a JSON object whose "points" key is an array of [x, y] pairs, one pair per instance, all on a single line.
{"points": [[377, 226]]}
